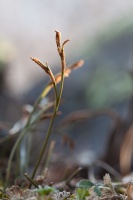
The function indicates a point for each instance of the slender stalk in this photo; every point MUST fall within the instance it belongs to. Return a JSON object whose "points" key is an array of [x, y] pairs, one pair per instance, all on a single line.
{"points": [[48, 157], [61, 90], [47, 135]]}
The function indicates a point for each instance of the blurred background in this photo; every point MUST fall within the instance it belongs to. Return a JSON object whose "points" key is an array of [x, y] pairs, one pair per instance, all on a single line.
{"points": [[100, 33]]}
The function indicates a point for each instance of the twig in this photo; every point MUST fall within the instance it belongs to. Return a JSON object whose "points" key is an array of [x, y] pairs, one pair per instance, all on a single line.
{"points": [[31, 181]]}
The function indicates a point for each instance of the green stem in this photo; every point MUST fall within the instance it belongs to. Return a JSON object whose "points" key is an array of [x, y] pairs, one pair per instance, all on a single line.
{"points": [[47, 135], [60, 92], [62, 78]]}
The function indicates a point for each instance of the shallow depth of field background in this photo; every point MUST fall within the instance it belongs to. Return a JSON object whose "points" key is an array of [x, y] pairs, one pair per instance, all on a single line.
{"points": [[100, 32]]}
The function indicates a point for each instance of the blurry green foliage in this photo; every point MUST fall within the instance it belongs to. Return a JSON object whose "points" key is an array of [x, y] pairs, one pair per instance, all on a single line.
{"points": [[108, 86]]}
